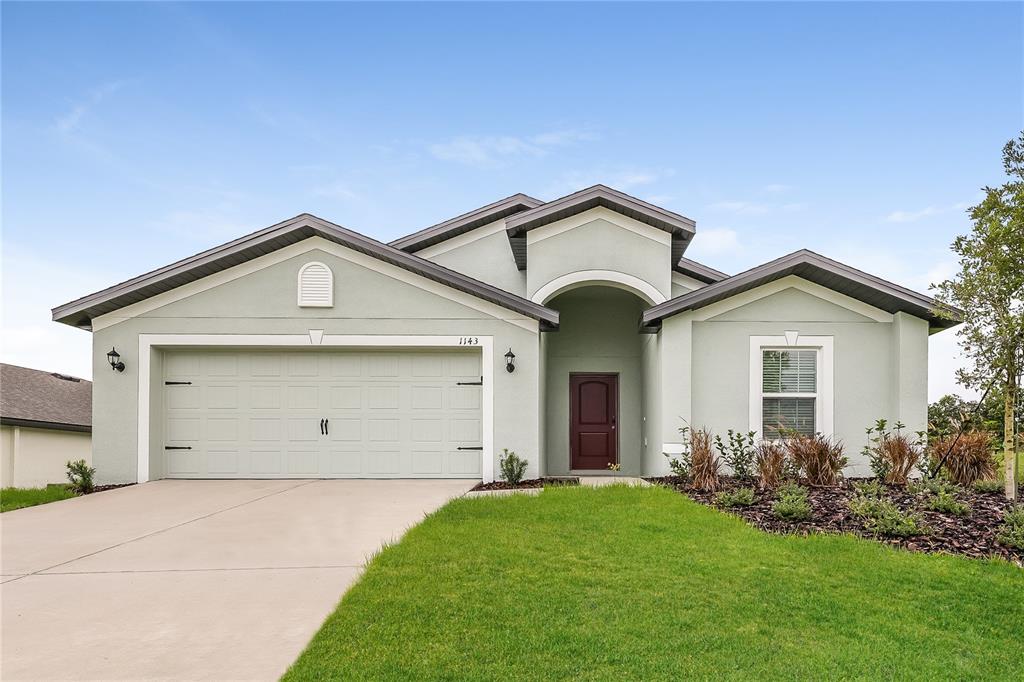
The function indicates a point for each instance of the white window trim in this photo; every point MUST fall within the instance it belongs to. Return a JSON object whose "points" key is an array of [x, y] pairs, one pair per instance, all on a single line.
{"points": [[330, 292], [148, 341], [824, 405]]}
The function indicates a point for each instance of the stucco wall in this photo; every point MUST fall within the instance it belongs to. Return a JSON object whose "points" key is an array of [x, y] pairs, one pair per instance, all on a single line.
{"points": [[264, 302], [598, 243], [488, 259], [32, 458], [598, 333], [880, 368]]}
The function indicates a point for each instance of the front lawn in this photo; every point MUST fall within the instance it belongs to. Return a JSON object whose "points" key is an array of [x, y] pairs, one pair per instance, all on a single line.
{"points": [[632, 583], [17, 498]]}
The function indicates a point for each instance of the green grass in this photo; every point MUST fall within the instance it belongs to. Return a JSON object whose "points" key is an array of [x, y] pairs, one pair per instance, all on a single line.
{"points": [[18, 498], [641, 583]]}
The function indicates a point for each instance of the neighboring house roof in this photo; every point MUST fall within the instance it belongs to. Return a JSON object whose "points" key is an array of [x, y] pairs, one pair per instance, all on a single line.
{"points": [[466, 222], [80, 313], [699, 271], [815, 268], [47, 400], [680, 227]]}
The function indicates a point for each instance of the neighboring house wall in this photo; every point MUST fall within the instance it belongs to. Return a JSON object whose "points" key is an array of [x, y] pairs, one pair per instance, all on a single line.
{"points": [[32, 458], [879, 361], [370, 298], [597, 333], [483, 254], [599, 240]]}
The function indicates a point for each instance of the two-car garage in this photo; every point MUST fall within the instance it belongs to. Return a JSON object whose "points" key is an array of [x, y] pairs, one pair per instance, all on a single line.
{"points": [[337, 413]]}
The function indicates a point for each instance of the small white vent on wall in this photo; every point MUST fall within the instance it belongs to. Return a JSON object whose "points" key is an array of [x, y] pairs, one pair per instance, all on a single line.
{"points": [[316, 286]]}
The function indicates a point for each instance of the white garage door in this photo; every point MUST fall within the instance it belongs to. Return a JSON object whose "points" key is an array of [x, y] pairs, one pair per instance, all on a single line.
{"points": [[318, 414]]}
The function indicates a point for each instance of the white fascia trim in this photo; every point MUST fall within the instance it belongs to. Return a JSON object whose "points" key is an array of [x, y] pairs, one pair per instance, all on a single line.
{"points": [[825, 405], [792, 282], [598, 213], [297, 249], [462, 239], [689, 283], [613, 278], [148, 341]]}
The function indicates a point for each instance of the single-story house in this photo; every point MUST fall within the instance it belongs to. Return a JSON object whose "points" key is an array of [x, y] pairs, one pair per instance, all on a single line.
{"points": [[45, 422], [574, 332]]}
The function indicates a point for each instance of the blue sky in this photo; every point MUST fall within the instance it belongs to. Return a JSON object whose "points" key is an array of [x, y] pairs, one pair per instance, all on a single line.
{"points": [[138, 134]]}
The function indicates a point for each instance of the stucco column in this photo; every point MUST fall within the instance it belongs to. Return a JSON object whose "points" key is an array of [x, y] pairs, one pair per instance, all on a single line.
{"points": [[910, 371], [676, 383]]}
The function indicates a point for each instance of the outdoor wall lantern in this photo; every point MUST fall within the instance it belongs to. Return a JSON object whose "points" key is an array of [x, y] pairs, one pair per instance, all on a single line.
{"points": [[114, 358], [510, 361]]}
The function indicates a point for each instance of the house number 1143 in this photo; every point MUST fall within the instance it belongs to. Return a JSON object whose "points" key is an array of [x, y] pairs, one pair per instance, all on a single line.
{"points": [[468, 340]]}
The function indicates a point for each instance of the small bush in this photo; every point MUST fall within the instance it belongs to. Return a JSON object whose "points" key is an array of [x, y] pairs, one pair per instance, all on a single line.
{"points": [[81, 474], [819, 458], [872, 488], [988, 485], [792, 504], [680, 465], [893, 455], [741, 497], [947, 504], [970, 457], [882, 517], [738, 453], [704, 465], [934, 486], [513, 467], [770, 464], [1011, 533]]}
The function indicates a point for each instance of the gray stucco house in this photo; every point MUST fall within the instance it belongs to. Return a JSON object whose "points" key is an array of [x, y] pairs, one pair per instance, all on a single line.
{"points": [[308, 350]]}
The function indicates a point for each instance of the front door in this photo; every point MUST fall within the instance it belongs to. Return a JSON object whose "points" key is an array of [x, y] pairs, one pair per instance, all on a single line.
{"points": [[593, 417]]}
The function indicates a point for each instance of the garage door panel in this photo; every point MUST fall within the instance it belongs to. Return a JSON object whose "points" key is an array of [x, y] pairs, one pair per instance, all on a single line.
{"points": [[390, 414]]}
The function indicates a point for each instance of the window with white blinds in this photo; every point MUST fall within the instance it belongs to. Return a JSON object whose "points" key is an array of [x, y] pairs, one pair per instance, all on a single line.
{"points": [[789, 391], [316, 286]]}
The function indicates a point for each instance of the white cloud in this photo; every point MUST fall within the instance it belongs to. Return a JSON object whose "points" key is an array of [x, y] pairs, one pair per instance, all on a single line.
{"points": [[714, 241], [335, 190], [69, 122], [911, 216], [492, 150], [621, 178], [32, 285]]}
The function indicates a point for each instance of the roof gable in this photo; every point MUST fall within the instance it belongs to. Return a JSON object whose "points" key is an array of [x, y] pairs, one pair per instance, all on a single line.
{"points": [[466, 222], [680, 227], [79, 313], [823, 271]]}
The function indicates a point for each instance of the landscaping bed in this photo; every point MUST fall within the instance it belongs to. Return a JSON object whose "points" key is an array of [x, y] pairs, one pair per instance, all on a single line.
{"points": [[528, 483], [972, 535]]}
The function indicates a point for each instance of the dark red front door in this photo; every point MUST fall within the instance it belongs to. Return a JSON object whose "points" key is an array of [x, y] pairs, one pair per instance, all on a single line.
{"points": [[593, 414]]}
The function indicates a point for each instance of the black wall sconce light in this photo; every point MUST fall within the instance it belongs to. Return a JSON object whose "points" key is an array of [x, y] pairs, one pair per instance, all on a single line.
{"points": [[114, 358], [510, 361]]}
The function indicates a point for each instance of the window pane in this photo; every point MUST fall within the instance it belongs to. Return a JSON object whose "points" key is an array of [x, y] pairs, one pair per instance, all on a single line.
{"points": [[789, 371], [787, 414]]}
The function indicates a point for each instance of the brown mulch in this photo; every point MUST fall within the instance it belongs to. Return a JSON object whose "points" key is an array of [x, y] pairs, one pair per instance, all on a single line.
{"points": [[972, 536], [528, 483]]}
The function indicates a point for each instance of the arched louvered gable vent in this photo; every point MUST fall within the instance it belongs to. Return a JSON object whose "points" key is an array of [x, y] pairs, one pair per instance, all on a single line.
{"points": [[316, 286]]}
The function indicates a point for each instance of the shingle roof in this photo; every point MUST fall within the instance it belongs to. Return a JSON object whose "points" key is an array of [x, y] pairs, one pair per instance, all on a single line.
{"points": [[466, 222], [699, 271], [32, 397], [815, 268], [80, 313]]}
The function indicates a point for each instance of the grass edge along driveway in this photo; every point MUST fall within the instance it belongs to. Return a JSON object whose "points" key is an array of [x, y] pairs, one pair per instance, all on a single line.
{"points": [[20, 498], [617, 583]]}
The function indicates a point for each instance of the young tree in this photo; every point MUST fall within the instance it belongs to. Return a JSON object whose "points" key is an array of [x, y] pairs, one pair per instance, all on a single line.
{"points": [[990, 290]]}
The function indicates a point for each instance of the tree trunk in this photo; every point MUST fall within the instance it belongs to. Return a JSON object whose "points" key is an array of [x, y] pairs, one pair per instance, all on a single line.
{"points": [[1009, 449]]}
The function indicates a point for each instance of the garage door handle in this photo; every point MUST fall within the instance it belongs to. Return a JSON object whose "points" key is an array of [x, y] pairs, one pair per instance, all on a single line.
{"points": [[177, 447], [327, 430], [321, 427], [471, 447]]}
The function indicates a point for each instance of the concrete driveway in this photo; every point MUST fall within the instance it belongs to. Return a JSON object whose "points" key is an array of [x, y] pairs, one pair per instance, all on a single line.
{"points": [[191, 580]]}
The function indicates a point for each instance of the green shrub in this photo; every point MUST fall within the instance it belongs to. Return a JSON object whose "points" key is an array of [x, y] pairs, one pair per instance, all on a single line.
{"points": [[792, 504], [872, 488], [513, 467], [81, 474], [1011, 533], [947, 504], [934, 486], [741, 497], [738, 454], [882, 517], [988, 485]]}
